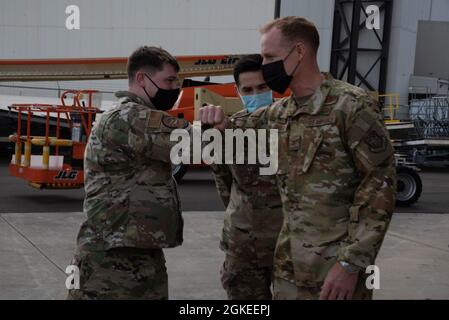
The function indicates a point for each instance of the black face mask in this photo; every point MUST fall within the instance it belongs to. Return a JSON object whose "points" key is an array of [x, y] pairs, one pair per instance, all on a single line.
{"points": [[275, 75], [164, 98]]}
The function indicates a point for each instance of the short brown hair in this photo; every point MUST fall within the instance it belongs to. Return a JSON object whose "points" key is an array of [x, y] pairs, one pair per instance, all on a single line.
{"points": [[153, 58], [294, 29], [248, 63]]}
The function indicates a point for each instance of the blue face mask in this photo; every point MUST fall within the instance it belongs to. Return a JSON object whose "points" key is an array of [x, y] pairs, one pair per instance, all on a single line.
{"points": [[255, 101]]}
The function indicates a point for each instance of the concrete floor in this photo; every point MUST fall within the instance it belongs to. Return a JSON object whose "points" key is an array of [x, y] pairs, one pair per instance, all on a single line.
{"points": [[38, 230], [35, 249]]}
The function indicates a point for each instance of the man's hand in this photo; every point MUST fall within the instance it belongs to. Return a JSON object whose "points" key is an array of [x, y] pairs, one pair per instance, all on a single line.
{"points": [[339, 284], [214, 116]]}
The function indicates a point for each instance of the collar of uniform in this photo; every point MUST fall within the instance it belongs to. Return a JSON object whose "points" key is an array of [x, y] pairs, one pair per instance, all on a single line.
{"points": [[315, 103], [126, 95]]}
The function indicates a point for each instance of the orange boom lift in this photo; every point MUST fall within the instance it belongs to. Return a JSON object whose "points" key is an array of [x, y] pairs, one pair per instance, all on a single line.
{"points": [[58, 163], [49, 169], [52, 170]]}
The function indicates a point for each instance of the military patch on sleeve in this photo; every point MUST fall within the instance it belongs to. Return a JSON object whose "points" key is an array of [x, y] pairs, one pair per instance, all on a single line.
{"points": [[376, 142], [174, 123], [155, 120]]}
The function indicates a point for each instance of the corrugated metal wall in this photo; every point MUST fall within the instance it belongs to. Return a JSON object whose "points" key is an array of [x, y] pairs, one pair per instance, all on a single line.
{"points": [[37, 29]]}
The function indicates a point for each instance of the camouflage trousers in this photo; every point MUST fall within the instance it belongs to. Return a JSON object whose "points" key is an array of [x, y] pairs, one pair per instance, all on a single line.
{"points": [[121, 273], [245, 280], [286, 290]]}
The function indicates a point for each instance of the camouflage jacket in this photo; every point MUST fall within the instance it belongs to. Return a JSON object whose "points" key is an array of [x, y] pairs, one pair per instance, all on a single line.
{"points": [[253, 215], [131, 198], [336, 177]]}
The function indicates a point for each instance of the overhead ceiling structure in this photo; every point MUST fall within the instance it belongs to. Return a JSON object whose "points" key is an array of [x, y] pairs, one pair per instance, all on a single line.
{"points": [[106, 68]]}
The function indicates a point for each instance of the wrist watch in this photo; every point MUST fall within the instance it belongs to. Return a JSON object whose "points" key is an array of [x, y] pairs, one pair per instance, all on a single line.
{"points": [[350, 268]]}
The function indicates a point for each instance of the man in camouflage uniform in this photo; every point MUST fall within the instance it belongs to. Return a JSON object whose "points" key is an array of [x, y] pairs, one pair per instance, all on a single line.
{"points": [[253, 215], [131, 201], [336, 172]]}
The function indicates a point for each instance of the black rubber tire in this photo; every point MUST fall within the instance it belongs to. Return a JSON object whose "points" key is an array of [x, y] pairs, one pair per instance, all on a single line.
{"points": [[178, 171], [409, 186]]}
